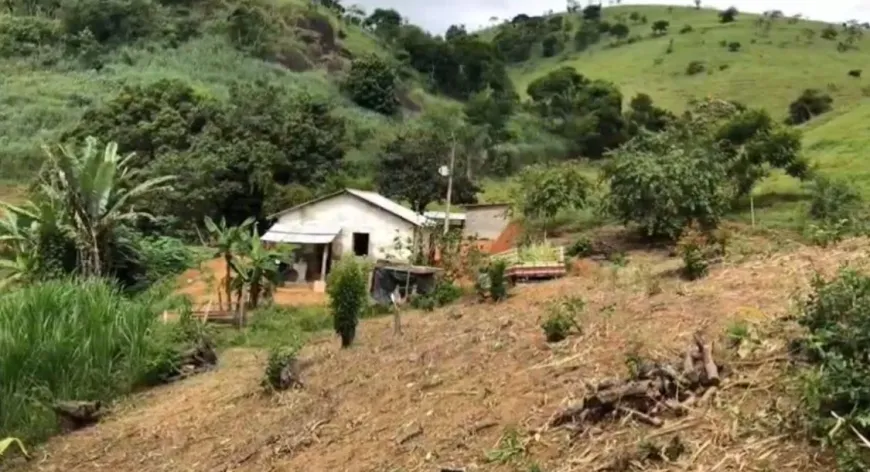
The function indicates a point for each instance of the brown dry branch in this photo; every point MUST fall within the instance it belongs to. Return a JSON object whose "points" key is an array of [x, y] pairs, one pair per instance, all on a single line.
{"points": [[657, 389]]}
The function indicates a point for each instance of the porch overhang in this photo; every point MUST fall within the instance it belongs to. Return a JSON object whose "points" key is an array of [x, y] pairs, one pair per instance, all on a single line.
{"points": [[301, 233]]}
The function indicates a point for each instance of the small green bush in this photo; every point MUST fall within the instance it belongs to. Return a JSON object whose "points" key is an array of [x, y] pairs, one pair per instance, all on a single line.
{"points": [[347, 287], [281, 368], [561, 318], [446, 293], [423, 302], [581, 247], [695, 67], [837, 382], [832, 200], [27, 35], [734, 46], [686, 29], [498, 283]]}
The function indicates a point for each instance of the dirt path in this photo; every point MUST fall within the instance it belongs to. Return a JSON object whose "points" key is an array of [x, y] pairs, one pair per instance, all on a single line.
{"points": [[446, 391]]}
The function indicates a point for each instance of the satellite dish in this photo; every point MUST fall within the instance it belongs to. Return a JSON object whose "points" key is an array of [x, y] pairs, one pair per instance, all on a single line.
{"points": [[444, 171]]}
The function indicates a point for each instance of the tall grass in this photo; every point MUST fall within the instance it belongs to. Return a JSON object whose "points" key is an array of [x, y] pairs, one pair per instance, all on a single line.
{"points": [[69, 340]]}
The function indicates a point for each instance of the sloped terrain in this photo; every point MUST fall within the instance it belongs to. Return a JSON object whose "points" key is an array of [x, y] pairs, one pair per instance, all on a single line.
{"points": [[471, 382], [772, 67]]}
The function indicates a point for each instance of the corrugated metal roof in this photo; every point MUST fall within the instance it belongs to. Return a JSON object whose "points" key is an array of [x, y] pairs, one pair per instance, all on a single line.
{"points": [[305, 233], [389, 205]]}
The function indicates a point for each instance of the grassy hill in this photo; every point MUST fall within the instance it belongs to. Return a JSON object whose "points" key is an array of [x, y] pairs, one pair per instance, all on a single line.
{"points": [[770, 70]]}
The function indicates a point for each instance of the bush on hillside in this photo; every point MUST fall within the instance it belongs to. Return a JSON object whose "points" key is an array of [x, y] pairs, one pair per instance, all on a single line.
{"points": [[830, 33], [729, 15], [855, 73], [27, 35], [734, 46], [832, 201], [695, 68], [620, 30], [588, 34], [686, 29], [75, 340], [811, 103], [498, 283], [347, 287], [552, 45], [110, 21], [837, 381], [372, 83]]}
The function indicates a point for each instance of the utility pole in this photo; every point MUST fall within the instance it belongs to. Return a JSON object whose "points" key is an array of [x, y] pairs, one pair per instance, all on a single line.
{"points": [[450, 183]]}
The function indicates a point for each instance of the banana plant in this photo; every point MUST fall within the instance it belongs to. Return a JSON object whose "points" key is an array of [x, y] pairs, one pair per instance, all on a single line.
{"points": [[226, 239], [258, 266]]}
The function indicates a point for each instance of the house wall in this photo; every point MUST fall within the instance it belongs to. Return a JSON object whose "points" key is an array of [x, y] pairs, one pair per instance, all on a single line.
{"points": [[485, 222], [353, 215]]}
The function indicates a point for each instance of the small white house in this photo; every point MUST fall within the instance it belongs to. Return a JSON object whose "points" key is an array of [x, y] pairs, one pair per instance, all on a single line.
{"points": [[350, 221]]}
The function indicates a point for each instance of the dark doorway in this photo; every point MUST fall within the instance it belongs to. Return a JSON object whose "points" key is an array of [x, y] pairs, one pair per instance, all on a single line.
{"points": [[361, 244]]}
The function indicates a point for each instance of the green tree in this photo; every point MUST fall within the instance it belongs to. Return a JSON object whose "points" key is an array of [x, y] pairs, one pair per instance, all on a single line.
{"points": [[408, 166], [544, 191], [729, 15], [163, 116], [372, 83], [663, 192], [348, 296], [589, 113], [588, 34], [643, 114], [110, 21], [592, 12], [620, 30], [552, 45], [660, 27], [386, 23]]}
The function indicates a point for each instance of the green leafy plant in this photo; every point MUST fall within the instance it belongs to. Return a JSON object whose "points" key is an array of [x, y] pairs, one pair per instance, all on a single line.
{"points": [[510, 448], [695, 68], [698, 248], [347, 286], [372, 83], [561, 319], [581, 247], [837, 381], [498, 283], [282, 368]]}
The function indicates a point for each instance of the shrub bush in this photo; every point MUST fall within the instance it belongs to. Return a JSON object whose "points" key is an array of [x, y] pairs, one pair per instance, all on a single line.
{"points": [[498, 283], [561, 319], [686, 29], [695, 67], [347, 286], [832, 201], [581, 247], [855, 73], [282, 368], [72, 340], [837, 384], [372, 83], [734, 46], [27, 35], [109, 21], [811, 103]]}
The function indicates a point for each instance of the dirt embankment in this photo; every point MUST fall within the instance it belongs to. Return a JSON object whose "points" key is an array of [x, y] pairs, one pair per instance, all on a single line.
{"points": [[448, 393]]}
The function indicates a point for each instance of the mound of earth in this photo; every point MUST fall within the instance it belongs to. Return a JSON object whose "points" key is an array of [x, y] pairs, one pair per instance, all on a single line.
{"points": [[475, 387]]}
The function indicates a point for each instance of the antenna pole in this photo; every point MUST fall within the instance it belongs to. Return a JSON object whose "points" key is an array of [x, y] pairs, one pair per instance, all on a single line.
{"points": [[450, 182]]}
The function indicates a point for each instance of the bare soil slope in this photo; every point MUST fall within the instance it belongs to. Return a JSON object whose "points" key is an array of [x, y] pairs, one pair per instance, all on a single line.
{"points": [[447, 390]]}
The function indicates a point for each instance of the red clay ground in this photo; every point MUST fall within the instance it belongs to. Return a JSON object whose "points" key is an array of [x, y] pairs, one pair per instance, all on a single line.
{"points": [[201, 285], [446, 391]]}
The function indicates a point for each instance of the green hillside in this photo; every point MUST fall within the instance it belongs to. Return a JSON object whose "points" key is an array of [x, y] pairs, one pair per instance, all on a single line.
{"points": [[55, 69], [770, 70]]}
